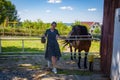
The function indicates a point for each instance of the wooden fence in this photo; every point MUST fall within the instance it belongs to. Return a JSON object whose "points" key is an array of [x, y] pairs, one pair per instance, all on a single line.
{"points": [[34, 39]]}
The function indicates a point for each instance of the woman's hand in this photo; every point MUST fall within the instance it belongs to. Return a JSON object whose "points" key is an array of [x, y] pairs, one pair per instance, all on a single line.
{"points": [[43, 39], [60, 37]]}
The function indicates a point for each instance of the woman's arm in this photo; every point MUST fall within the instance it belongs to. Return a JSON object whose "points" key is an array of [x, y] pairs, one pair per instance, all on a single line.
{"points": [[58, 36], [61, 37], [43, 37], [45, 34]]}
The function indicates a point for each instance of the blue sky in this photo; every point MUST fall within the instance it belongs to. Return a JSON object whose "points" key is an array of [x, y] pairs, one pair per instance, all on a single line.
{"points": [[66, 11]]}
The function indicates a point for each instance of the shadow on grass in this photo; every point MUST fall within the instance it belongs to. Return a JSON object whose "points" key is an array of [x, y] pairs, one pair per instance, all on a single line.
{"points": [[20, 68], [15, 73], [75, 72], [28, 68]]}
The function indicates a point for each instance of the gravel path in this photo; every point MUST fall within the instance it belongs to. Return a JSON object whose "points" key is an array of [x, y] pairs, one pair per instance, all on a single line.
{"points": [[34, 68]]}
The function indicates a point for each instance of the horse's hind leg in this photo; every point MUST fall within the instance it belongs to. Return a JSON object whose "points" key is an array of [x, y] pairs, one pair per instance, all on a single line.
{"points": [[71, 52], [79, 59], [75, 53], [85, 60]]}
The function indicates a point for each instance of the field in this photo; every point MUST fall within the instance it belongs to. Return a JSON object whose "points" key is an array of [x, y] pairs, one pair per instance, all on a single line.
{"points": [[36, 46], [16, 46]]}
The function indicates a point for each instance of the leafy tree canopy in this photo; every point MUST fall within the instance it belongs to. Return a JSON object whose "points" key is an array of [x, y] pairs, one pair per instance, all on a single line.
{"points": [[8, 11]]}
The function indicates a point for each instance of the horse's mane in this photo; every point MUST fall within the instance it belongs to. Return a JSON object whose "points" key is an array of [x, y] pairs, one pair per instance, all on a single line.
{"points": [[83, 29]]}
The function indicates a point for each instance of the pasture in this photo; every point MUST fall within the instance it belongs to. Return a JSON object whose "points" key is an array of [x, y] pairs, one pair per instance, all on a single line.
{"points": [[35, 46]]}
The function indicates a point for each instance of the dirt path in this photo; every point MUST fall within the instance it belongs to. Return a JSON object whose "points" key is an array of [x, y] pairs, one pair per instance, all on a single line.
{"points": [[35, 68]]}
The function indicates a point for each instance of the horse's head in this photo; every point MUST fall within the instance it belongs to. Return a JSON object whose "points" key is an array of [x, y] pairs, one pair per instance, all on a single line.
{"points": [[78, 30], [75, 30]]}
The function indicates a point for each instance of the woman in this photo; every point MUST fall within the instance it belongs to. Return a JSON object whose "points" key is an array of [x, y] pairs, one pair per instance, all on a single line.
{"points": [[52, 53]]}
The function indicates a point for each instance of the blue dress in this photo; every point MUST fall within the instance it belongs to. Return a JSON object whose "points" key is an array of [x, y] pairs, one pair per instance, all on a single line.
{"points": [[52, 48]]}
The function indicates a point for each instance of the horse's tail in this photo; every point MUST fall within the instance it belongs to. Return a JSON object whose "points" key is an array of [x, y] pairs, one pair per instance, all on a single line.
{"points": [[65, 43]]}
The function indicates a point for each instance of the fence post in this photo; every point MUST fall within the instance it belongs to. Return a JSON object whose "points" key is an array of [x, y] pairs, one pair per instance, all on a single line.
{"points": [[23, 45], [0, 46]]}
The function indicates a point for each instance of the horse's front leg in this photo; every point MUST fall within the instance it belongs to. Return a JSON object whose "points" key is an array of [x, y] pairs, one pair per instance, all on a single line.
{"points": [[79, 59], [71, 52], [85, 60], [75, 53]]}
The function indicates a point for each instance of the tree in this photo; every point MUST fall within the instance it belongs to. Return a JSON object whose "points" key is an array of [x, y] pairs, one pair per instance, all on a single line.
{"points": [[97, 30], [8, 11], [2, 11], [76, 23], [62, 28]]}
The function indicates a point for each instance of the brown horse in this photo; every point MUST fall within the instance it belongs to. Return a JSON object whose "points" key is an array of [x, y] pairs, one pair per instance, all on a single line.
{"points": [[80, 39]]}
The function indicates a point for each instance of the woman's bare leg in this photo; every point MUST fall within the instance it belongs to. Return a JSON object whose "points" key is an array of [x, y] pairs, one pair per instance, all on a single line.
{"points": [[54, 60], [49, 64]]}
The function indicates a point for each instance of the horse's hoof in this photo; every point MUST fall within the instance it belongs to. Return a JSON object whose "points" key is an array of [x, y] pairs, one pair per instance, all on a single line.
{"points": [[85, 67], [79, 66], [71, 58], [75, 58]]}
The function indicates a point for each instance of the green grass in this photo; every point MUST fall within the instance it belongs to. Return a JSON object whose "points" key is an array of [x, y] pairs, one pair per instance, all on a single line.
{"points": [[16, 46], [94, 50], [75, 72], [30, 67], [36, 46], [16, 59], [95, 46]]}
